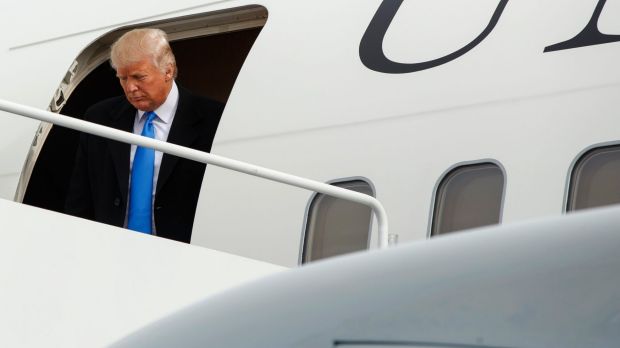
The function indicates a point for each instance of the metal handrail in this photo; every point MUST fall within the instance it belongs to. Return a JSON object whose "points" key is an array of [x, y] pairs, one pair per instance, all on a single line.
{"points": [[205, 157]]}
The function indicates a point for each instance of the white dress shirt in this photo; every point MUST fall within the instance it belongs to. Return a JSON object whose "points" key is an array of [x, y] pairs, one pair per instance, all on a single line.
{"points": [[162, 123]]}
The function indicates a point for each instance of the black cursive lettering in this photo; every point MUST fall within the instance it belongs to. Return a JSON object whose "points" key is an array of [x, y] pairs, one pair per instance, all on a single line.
{"points": [[371, 46]]}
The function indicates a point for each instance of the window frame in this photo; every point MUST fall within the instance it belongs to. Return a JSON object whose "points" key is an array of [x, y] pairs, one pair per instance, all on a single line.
{"points": [[451, 169], [568, 189], [304, 226]]}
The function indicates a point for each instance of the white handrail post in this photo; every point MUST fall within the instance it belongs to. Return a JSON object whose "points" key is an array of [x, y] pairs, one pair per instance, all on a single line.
{"points": [[205, 157]]}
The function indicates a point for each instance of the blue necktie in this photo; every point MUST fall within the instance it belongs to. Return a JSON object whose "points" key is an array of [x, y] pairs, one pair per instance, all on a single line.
{"points": [[141, 190]]}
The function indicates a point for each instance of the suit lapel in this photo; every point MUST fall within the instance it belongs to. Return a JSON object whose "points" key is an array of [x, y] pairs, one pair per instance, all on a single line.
{"points": [[119, 152], [183, 132]]}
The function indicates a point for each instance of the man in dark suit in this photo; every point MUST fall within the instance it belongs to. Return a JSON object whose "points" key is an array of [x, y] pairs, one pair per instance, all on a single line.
{"points": [[109, 183]]}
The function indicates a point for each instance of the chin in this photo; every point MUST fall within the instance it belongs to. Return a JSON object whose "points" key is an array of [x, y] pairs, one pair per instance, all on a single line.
{"points": [[142, 106]]}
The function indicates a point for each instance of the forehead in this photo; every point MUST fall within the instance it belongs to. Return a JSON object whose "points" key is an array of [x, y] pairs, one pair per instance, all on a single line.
{"points": [[142, 66]]}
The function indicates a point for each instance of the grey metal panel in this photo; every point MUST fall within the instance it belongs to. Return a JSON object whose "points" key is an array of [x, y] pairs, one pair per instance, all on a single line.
{"points": [[547, 283]]}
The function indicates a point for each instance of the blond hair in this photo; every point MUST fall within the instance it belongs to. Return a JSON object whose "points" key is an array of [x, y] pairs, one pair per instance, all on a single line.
{"points": [[139, 44]]}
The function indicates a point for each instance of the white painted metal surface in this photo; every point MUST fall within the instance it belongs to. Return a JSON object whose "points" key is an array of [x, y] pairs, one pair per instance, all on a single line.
{"points": [[304, 103], [549, 282], [67, 282]]}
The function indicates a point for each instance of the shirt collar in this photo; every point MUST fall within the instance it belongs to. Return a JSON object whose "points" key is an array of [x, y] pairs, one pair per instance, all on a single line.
{"points": [[165, 111]]}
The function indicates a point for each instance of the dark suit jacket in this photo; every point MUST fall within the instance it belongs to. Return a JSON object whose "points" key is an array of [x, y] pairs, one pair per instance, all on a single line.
{"points": [[99, 186]]}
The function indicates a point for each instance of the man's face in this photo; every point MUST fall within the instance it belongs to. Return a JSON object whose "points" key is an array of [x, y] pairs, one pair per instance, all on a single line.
{"points": [[146, 87]]}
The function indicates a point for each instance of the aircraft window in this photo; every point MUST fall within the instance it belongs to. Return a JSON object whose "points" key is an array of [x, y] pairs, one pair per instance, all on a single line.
{"points": [[594, 180], [210, 49], [335, 226], [468, 196]]}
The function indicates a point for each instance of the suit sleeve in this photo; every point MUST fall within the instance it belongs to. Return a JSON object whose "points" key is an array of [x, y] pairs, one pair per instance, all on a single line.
{"points": [[79, 200]]}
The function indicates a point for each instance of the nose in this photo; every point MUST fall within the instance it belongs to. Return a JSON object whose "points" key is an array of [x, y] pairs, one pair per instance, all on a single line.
{"points": [[130, 86]]}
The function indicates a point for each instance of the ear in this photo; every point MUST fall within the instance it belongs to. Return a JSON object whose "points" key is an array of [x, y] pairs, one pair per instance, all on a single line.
{"points": [[169, 73]]}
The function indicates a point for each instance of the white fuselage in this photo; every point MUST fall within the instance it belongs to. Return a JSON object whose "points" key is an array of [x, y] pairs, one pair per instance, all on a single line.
{"points": [[308, 101], [305, 103]]}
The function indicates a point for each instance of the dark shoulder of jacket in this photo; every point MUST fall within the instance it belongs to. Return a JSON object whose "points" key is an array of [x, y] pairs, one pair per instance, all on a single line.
{"points": [[202, 103], [102, 111]]}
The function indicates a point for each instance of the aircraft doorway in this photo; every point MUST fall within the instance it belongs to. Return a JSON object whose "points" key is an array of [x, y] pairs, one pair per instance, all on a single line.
{"points": [[210, 50]]}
